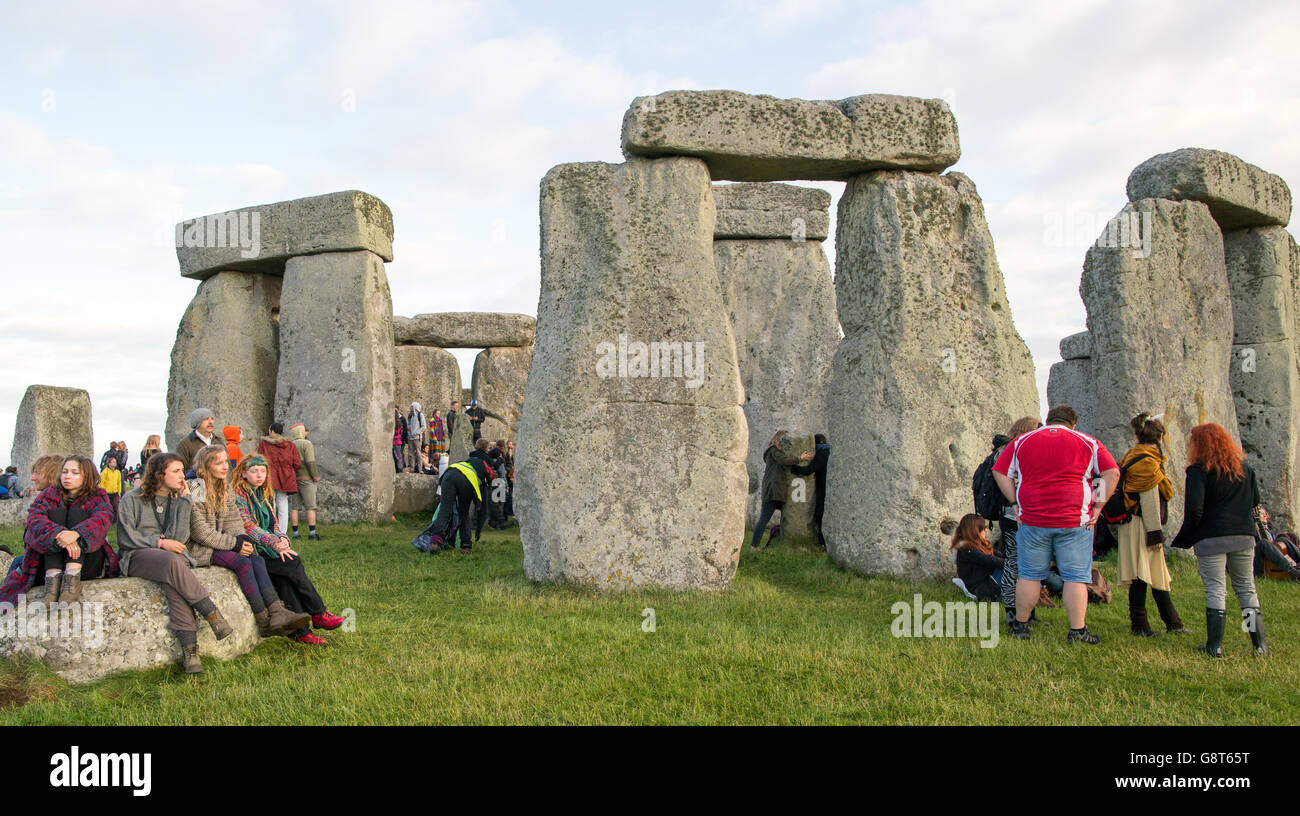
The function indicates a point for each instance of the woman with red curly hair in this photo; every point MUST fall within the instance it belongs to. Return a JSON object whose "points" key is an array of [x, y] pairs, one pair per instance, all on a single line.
{"points": [[1222, 496]]}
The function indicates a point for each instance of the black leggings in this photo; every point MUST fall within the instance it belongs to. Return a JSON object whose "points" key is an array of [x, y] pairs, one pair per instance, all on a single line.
{"points": [[293, 586], [92, 564]]}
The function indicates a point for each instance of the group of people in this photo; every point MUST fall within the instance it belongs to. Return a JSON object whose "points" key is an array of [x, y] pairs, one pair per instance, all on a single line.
{"points": [[197, 506], [1050, 508], [470, 493], [420, 442]]}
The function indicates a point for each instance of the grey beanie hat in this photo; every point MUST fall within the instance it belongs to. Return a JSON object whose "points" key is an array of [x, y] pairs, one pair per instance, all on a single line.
{"points": [[199, 415]]}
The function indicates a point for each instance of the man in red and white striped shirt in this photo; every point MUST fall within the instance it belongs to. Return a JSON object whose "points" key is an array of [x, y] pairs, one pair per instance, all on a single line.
{"points": [[1047, 476]]}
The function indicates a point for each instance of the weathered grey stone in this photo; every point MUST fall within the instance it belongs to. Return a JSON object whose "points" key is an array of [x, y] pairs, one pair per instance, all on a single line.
{"points": [[121, 625], [929, 369], [427, 375], [762, 138], [768, 210], [1071, 382], [51, 420], [465, 329], [226, 355], [1161, 327], [500, 375], [1263, 373], [13, 513], [627, 260], [262, 238], [461, 441], [1076, 346], [1238, 194], [336, 377], [781, 303], [414, 492]]}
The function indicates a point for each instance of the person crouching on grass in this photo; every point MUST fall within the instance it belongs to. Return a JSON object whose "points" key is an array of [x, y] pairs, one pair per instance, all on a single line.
{"points": [[217, 537], [66, 537], [977, 567], [256, 503]]}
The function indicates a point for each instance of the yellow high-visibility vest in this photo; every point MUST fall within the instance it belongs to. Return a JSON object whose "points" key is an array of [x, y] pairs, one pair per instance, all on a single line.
{"points": [[468, 469]]}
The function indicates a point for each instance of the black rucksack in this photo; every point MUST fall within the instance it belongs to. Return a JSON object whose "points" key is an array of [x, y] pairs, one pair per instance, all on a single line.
{"points": [[989, 500]]}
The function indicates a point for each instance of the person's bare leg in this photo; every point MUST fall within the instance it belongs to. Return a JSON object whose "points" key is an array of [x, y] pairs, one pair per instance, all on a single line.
{"points": [[311, 518], [293, 518], [1076, 603], [1027, 593]]}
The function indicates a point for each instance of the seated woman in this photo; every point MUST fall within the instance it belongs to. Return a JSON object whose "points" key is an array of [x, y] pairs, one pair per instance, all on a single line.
{"points": [[66, 537], [256, 506], [153, 526], [217, 537], [977, 567]]}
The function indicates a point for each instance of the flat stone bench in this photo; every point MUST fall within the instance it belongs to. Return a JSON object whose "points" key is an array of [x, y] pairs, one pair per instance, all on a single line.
{"points": [[120, 625]]}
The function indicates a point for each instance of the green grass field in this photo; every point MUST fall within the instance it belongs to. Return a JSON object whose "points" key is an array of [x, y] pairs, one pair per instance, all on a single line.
{"points": [[468, 639]]}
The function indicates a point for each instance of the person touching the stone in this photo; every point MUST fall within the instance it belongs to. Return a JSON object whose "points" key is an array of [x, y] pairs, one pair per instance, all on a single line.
{"points": [[477, 415], [153, 528], [308, 478], [204, 433], [218, 537], [776, 482], [66, 537], [255, 503], [1047, 476], [817, 469]]}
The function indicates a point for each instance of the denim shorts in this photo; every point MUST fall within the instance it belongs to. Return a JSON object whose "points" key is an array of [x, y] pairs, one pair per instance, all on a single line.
{"points": [[1072, 547]]}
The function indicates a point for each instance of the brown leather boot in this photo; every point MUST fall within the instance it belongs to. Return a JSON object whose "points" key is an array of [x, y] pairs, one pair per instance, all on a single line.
{"points": [[283, 621], [220, 629], [71, 590], [52, 584], [263, 620], [190, 659]]}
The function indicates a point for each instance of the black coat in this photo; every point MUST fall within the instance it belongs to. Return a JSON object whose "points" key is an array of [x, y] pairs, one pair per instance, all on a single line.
{"points": [[1217, 506], [975, 569]]}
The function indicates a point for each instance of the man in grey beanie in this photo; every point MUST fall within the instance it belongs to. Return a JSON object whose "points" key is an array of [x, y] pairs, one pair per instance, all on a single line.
{"points": [[204, 433]]}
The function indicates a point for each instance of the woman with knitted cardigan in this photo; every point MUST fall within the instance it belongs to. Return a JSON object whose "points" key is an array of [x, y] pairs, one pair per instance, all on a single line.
{"points": [[217, 537], [256, 504]]}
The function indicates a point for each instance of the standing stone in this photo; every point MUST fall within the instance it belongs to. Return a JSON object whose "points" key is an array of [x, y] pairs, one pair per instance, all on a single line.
{"points": [[1263, 374], [429, 376], [1070, 380], [1161, 327], [796, 518], [1238, 194], [929, 369], [781, 302], [761, 138], [500, 375], [51, 420], [630, 469], [462, 439], [336, 376], [226, 355]]}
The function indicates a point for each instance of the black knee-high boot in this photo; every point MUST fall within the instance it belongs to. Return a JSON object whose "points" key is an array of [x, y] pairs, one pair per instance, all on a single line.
{"points": [[1139, 624], [1165, 603]]}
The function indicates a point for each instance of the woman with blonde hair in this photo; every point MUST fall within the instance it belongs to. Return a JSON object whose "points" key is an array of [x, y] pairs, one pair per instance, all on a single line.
{"points": [[1221, 498], [217, 537], [45, 472], [152, 445], [1145, 491]]}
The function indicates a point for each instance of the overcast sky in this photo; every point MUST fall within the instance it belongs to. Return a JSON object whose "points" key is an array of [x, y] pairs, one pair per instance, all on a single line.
{"points": [[115, 125]]}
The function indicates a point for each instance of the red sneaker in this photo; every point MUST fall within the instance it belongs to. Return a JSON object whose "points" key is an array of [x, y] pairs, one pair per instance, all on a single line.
{"points": [[314, 640], [324, 620]]}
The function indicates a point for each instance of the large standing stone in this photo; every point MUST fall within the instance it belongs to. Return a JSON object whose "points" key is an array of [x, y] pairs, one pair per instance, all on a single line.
{"points": [[465, 329], [336, 376], [121, 625], [427, 375], [1070, 381], [762, 138], [769, 210], [51, 420], [13, 512], [461, 441], [1238, 194], [781, 302], [929, 369], [226, 355], [1265, 386], [1161, 326], [500, 375], [264, 237], [631, 471]]}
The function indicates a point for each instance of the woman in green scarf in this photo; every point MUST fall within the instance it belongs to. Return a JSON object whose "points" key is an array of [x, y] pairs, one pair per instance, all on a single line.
{"points": [[1146, 491], [256, 504]]}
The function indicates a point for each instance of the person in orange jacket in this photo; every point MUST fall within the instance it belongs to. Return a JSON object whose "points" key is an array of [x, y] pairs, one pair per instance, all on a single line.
{"points": [[231, 433]]}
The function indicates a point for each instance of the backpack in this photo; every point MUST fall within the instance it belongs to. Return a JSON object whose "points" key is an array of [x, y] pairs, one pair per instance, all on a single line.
{"points": [[1114, 511], [989, 500], [1099, 588]]}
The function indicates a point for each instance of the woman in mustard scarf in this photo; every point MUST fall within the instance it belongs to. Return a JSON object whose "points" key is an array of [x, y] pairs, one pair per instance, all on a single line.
{"points": [[1146, 491]]}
